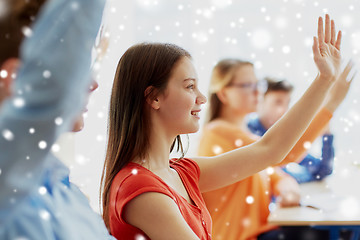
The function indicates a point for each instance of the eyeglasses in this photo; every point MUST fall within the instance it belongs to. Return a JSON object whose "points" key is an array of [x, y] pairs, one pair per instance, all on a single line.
{"points": [[260, 86]]}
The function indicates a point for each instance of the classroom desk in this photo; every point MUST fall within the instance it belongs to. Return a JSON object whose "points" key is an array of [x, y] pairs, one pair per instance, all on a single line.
{"points": [[321, 208]]}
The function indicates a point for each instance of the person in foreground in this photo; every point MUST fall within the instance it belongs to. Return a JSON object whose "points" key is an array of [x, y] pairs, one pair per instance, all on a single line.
{"points": [[155, 98], [43, 90]]}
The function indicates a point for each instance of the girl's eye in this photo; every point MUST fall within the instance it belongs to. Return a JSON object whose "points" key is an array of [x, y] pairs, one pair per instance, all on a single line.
{"points": [[191, 86]]}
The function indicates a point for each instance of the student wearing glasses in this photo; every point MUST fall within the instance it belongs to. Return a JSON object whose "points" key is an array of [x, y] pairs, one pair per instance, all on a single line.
{"points": [[240, 210]]}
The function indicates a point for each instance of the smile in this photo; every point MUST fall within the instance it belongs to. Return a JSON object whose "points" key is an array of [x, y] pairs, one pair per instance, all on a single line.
{"points": [[195, 113]]}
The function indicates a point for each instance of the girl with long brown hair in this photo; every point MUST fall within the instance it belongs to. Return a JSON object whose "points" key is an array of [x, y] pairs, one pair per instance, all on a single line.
{"points": [[155, 98]]}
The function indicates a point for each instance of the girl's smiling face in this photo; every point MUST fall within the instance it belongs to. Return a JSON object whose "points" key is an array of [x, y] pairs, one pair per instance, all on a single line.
{"points": [[180, 104]]}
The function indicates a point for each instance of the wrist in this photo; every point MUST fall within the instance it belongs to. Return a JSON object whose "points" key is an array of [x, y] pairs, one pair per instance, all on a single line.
{"points": [[323, 83], [327, 77], [331, 106]]}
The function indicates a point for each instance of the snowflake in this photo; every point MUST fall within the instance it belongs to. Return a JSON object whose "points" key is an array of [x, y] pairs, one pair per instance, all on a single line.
{"points": [[42, 144], [100, 115], [75, 6], [46, 74], [8, 135], [26, 31], [55, 148], [42, 190], [286, 49], [307, 145], [238, 142], [249, 200], [44, 214], [58, 121], [19, 102], [81, 160], [3, 74], [217, 149], [139, 237], [99, 138], [270, 170]]}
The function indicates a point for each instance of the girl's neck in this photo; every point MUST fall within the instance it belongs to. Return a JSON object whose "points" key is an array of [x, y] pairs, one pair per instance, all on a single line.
{"points": [[157, 158]]}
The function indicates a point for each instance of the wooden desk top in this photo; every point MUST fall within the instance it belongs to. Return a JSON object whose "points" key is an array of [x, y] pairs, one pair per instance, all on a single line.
{"points": [[301, 216], [320, 206]]}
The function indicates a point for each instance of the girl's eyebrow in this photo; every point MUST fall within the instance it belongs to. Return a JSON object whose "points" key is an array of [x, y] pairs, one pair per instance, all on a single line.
{"points": [[189, 79]]}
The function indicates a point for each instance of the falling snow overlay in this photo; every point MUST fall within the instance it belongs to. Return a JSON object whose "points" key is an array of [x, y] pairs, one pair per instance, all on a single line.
{"points": [[275, 35]]}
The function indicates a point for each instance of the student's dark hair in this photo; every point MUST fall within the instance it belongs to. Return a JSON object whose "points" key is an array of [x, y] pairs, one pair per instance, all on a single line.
{"points": [[274, 84], [142, 66], [18, 15], [222, 75]]}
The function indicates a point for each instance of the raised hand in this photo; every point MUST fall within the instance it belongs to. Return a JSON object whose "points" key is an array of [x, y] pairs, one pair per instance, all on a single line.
{"points": [[326, 49], [340, 88]]}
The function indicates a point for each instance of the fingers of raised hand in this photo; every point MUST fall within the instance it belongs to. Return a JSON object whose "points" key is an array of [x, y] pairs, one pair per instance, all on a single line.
{"points": [[352, 78], [320, 30], [345, 74], [333, 33], [338, 40], [327, 29], [348, 68], [329, 34], [316, 50]]}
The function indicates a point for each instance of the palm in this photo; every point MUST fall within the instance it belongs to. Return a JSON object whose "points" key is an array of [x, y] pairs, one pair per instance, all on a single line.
{"points": [[326, 49]]}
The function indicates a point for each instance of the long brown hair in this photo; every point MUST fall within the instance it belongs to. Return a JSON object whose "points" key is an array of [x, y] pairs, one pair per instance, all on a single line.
{"points": [[143, 65], [222, 75]]}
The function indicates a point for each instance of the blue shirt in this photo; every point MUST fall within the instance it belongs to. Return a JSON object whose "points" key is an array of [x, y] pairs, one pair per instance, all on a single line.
{"points": [[37, 201], [310, 168]]}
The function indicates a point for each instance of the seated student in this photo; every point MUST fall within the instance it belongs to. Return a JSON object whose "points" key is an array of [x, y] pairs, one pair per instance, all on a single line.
{"points": [[272, 105], [155, 97], [37, 201], [240, 210]]}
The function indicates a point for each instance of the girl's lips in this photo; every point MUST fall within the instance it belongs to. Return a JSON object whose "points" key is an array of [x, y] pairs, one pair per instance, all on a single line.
{"points": [[196, 113]]}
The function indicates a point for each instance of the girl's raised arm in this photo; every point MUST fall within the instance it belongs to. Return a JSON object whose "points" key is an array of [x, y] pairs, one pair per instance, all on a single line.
{"points": [[235, 165]]}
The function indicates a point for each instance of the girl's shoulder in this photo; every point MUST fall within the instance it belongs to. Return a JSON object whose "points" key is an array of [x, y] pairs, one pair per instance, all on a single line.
{"points": [[186, 166], [134, 176]]}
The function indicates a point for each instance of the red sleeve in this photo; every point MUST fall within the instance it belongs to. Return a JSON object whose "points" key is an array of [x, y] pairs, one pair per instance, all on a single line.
{"points": [[134, 185], [188, 166]]}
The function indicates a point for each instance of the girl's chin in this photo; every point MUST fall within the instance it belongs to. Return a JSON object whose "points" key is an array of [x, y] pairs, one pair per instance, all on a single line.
{"points": [[191, 130]]}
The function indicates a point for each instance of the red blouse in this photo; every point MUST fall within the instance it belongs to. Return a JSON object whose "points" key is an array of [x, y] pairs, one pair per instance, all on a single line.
{"points": [[134, 180]]}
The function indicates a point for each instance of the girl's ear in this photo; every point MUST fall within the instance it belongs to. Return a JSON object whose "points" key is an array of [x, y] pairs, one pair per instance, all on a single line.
{"points": [[222, 96], [151, 97]]}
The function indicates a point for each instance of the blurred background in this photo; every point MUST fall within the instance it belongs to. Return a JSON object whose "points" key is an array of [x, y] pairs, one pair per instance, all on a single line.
{"points": [[275, 35]]}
